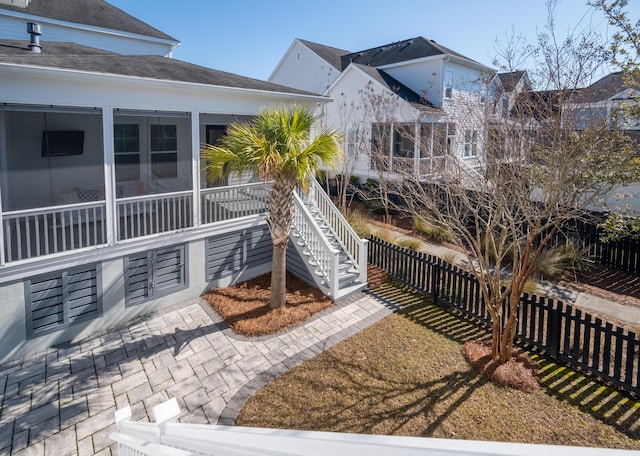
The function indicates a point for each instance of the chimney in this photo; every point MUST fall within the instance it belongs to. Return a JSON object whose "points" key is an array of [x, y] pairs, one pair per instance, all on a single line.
{"points": [[35, 31]]}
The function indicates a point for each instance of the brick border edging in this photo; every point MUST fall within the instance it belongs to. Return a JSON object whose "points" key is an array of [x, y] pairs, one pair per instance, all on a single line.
{"points": [[230, 413]]}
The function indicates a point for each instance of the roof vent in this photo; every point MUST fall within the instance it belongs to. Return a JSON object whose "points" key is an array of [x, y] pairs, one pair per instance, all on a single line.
{"points": [[35, 31]]}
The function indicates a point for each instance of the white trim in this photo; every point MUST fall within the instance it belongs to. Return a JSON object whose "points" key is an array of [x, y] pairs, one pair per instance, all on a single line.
{"points": [[444, 57], [18, 270], [109, 174], [92, 76], [173, 43], [195, 166]]}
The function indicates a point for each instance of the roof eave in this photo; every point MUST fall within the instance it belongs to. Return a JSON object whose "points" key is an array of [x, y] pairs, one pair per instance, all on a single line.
{"points": [[121, 33], [110, 77]]}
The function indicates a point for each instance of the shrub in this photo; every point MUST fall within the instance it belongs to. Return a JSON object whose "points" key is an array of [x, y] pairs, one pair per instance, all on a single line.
{"points": [[430, 231], [359, 222], [558, 261], [409, 243]]}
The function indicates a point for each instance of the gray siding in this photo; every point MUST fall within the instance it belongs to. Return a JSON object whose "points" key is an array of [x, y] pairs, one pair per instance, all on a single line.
{"points": [[231, 252]]}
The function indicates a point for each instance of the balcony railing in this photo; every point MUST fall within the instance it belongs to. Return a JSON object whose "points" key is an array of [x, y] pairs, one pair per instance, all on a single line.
{"points": [[225, 203], [33, 233], [167, 437], [45, 231], [153, 214]]}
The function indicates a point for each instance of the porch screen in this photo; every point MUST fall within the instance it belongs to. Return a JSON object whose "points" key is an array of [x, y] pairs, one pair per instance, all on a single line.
{"points": [[150, 275], [62, 298]]}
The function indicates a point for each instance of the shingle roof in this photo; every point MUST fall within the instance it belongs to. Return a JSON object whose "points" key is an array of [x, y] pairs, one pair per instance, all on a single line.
{"points": [[510, 80], [81, 58], [90, 12], [401, 51], [397, 87], [329, 54], [605, 88]]}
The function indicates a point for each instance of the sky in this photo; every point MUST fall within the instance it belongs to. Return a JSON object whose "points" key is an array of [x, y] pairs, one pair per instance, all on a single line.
{"points": [[249, 37]]}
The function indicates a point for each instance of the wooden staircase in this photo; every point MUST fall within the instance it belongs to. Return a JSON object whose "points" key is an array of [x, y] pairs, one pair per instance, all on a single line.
{"points": [[334, 254]]}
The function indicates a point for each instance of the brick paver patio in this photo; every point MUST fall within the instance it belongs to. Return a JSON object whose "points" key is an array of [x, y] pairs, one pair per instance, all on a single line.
{"points": [[61, 402]]}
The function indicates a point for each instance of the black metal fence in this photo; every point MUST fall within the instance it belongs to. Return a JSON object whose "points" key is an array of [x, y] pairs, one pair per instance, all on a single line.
{"points": [[565, 333], [623, 255]]}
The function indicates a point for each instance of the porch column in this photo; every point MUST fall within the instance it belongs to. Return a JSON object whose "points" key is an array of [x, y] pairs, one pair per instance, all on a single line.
{"points": [[195, 165], [416, 150], [109, 168], [4, 152]]}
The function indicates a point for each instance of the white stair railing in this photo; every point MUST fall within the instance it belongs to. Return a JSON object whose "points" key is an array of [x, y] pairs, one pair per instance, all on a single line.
{"points": [[326, 258], [352, 244]]}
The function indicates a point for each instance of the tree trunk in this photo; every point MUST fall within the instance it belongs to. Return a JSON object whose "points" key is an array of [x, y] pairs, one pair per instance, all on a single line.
{"points": [[278, 276], [279, 219]]}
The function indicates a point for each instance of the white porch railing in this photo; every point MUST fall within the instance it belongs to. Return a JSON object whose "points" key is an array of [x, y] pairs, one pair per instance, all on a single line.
{"points": [[448, 167], [317, 246], [152, 214], [225, 203], [353, 245], [167, 437], [44, 231]]}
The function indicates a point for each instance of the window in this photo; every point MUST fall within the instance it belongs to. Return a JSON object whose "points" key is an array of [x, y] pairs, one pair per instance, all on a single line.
{"points": [[126, 143], [482, 96], [380, 146], [150, 275], [63, 298], [448, 84], [470, 143], [352, 142], [164, 151]]}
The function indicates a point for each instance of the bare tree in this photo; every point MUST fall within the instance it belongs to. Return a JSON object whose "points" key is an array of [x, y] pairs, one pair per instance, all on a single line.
{"points": [[369, 120], [547, 158]]}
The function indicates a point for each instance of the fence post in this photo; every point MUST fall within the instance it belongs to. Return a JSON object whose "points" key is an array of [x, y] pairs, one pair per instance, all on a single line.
{"points": [[553, 328], [435, 281]]}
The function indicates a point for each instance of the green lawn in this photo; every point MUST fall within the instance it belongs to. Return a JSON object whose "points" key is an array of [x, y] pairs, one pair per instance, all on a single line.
{"points": [[406, 376]]}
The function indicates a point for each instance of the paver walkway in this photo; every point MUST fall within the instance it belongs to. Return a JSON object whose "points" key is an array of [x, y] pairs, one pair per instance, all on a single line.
{"points": [[61, 402]]}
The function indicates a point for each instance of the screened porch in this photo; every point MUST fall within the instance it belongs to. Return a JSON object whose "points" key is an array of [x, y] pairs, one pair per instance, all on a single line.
{"points": [[75, 178]]}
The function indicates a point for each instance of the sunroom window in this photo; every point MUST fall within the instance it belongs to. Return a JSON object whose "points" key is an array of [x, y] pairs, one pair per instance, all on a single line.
{"points": [[164, 151]]}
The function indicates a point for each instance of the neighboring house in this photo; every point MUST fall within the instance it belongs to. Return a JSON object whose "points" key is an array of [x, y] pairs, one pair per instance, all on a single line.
{"points": [[105, 213], [413, 105], [607, 100]]}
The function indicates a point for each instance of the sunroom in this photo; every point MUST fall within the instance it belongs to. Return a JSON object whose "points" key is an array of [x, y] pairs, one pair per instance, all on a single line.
{"points": [[75, 178]]}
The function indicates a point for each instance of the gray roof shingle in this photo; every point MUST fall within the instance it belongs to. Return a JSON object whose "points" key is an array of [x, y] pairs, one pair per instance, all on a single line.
{"points": [[327, 53], [401, 51], [510, 80], [397, 87], [81, 58], [90, 12]]}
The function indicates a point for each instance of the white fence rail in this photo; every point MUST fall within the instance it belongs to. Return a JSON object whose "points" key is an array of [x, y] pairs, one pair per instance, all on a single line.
{"points": [[44, 231], [353, 245], [166, 437]]}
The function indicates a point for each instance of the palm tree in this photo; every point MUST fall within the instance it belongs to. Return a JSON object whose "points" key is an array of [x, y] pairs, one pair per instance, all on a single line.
{"points": [[277, 146]]}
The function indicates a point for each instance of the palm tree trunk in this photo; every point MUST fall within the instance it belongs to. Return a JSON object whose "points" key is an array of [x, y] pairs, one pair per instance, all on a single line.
{"points": [[279, 220], [278, 276]]}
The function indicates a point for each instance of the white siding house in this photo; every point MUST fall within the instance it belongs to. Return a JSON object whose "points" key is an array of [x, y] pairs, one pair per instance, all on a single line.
{"points": [[443, 95], [104, 211]]}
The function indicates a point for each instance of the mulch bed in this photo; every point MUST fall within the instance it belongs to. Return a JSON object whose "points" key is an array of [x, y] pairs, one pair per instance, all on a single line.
{"points": [[245, 307]]}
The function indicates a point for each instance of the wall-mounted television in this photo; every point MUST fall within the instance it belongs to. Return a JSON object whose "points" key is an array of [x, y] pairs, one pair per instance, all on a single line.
{"points": [[58, 143]]}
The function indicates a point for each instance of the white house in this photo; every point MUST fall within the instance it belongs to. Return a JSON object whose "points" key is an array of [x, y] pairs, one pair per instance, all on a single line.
{"points": [[104, 211], [428, 100]]}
